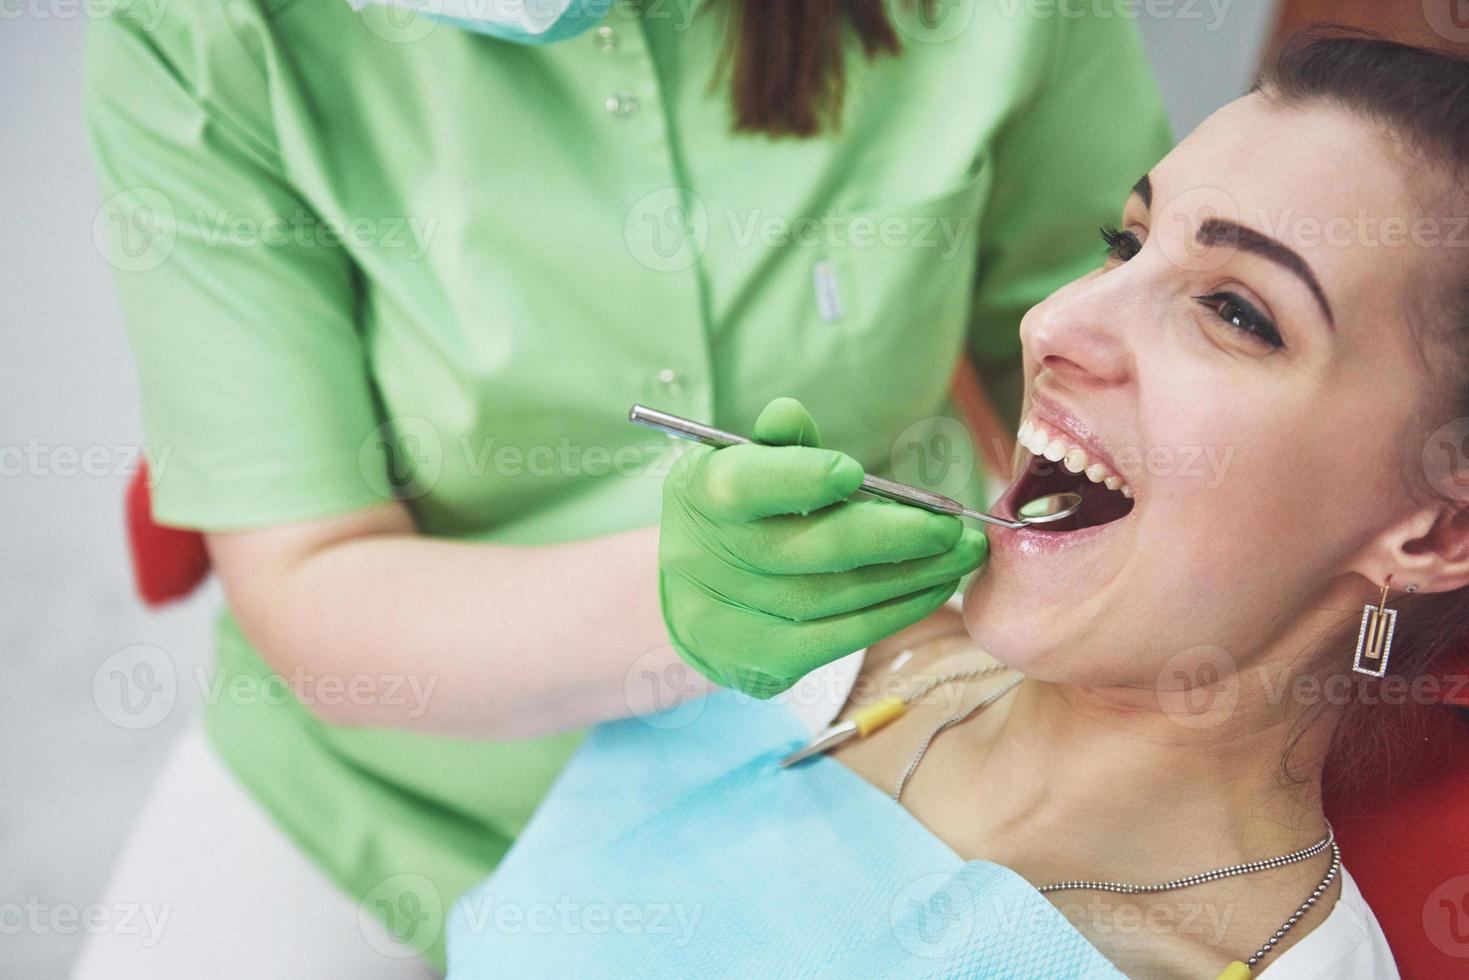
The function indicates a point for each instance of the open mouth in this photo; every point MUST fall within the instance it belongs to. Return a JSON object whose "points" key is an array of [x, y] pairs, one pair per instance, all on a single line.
{"points": [[1054, 463]]}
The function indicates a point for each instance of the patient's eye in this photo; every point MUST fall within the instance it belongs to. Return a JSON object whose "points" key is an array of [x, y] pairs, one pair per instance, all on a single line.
{"points": [[1241, 314], [1121, 245]]}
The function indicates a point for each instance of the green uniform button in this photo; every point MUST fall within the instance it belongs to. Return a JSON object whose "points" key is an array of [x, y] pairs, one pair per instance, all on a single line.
{"points": [[671, 382], [622, 104]]}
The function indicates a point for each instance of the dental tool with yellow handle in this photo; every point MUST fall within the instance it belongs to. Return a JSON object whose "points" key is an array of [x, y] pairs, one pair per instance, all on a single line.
{"points": [[1035, 513], [863, 722], [869, 718]]}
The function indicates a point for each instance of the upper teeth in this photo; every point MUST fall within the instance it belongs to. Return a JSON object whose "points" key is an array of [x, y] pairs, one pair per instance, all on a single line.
{"points": [[1054, 447]]}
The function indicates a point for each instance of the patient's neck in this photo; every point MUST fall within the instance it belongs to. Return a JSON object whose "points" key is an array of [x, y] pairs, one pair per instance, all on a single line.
{"points": [[1146, 789]]}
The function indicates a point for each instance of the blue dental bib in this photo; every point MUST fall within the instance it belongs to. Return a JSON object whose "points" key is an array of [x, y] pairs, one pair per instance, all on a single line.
{"points": [[675, 847]]}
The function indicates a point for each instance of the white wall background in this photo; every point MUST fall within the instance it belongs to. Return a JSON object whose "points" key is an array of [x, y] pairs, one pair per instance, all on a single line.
{"points": [[70, 775], [70, 779]]}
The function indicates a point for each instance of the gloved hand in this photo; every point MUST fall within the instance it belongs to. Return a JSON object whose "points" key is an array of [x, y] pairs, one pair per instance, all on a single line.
{"points": [[767, 571]]}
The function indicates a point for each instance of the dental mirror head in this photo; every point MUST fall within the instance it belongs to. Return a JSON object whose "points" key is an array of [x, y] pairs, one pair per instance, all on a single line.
{"points": [[1052, 507]]}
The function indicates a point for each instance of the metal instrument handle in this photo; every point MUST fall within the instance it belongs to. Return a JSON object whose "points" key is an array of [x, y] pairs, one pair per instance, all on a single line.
{"points": [[683, 428]]}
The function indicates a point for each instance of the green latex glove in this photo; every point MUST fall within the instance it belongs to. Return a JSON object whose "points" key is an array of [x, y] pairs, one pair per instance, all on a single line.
{"points": [[768, 571]]}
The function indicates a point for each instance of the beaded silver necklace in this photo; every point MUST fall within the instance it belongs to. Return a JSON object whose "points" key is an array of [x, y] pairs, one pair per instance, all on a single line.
{"points": [[1127, 888]]}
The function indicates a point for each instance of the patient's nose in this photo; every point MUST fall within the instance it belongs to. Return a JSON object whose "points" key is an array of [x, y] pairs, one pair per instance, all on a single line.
{"points": [[1078, 334]]}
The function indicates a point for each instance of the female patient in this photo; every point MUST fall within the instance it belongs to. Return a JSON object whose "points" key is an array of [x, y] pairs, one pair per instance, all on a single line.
{"points": [[1243, 394]]}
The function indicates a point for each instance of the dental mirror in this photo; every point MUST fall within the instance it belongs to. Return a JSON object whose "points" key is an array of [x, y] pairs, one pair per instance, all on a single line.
{"points": [[1043, 510], [1052, 507]]}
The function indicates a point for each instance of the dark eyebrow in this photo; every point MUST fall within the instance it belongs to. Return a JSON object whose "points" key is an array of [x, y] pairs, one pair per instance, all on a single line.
{"points": [[1217, 231], [1144, 189]]}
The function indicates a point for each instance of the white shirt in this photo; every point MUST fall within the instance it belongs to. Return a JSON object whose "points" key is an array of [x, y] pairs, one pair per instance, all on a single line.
{"points": [[1349, 945]]}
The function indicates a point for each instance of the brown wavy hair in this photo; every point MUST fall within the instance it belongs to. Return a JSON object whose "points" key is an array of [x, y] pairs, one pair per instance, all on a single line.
{"points": [[787, 59]]}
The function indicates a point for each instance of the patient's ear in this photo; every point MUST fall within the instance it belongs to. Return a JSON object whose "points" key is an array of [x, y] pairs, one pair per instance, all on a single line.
{"points": [[1429, 549]]}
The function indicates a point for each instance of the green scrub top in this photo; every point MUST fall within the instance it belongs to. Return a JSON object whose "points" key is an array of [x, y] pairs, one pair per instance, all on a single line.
{"points": [[366, 255]]}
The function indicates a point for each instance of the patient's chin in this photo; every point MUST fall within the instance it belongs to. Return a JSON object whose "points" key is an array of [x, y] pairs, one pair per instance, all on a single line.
{"points": [[1005, 639], [1045, 644], [983, 613]]}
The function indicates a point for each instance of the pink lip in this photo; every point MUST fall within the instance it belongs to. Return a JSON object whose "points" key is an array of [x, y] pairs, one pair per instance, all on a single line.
{"points": [[1033, 541], [1058, 416]]}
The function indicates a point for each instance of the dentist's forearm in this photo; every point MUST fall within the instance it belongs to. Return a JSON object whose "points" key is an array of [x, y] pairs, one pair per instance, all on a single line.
{"points": [[472, 640]]}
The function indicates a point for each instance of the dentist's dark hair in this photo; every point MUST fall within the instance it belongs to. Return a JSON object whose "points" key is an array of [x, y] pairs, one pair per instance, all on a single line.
{"points": [[787, 59], [1419, 98]]}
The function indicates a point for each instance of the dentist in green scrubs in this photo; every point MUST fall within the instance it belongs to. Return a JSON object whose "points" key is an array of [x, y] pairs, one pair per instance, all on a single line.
{"points": [[393, 280]]}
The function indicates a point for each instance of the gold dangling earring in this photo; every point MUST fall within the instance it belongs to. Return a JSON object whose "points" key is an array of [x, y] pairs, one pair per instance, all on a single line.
{"points": [[1374, 639]]}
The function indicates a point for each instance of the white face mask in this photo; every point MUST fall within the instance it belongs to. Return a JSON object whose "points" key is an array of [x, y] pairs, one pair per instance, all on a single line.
{"points": [[519, 21]]}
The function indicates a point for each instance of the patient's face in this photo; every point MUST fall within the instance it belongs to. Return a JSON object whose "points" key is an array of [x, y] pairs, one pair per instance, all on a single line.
{"points": [[1263, 439]]}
